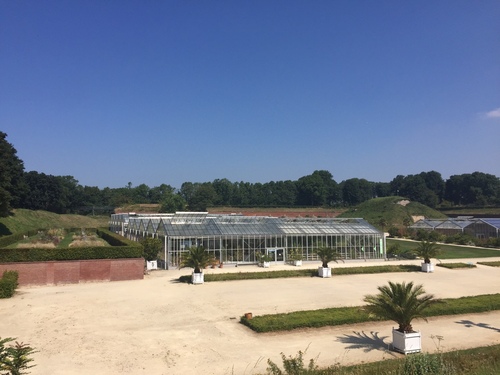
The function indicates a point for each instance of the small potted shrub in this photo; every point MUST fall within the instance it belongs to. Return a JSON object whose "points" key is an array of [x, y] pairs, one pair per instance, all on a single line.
{"points": [[265, 260], [196, 258], [401, 303], [427, 250], [152, 246], [326, 255], [296, 257]]}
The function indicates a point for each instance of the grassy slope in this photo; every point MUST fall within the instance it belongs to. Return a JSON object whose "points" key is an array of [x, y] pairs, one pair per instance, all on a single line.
{"points": [[389, 209], [22, 220]]}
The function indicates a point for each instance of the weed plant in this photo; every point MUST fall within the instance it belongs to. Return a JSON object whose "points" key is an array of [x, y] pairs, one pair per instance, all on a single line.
{"points": [[476, 361]]}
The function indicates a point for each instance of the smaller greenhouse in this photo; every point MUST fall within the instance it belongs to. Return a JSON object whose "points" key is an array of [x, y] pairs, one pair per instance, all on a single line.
{"points": [[238, 239], [475, 227]]}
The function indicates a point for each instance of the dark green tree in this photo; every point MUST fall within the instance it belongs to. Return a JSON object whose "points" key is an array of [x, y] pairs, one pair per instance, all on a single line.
{"points": [[12, 186], [152, 246]]}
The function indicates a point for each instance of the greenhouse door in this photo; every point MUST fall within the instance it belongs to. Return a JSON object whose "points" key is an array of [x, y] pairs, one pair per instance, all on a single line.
{"points": [[276, 254]]}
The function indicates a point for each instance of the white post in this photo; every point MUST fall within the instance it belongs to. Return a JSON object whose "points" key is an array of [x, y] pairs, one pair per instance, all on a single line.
{"points": [[165, 266]]}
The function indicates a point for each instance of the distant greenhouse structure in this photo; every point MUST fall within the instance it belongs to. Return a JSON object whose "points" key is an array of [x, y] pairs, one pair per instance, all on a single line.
{"points": [[483, 228], [237, 239]]}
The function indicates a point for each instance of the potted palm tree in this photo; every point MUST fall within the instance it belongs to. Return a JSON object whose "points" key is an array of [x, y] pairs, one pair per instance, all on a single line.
{"points": [[327, 254], [196, 258], [427, 250], [401, 303]]}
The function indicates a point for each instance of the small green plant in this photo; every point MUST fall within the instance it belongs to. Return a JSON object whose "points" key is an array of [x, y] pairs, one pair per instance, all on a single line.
{"points": [[15, 359], [293, 365]]}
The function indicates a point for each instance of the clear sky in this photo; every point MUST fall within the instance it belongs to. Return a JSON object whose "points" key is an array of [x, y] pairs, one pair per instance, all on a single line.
{"points": [[154, 92]]}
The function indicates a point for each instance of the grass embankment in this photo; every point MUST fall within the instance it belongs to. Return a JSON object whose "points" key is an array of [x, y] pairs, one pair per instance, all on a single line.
{"points": [[23, 220], [308, 272], [351, 315], [448, 251], [390, 209]]}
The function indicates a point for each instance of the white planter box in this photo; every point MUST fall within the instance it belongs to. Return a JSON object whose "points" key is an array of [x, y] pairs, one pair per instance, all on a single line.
{"points": [[197, 278], [151, 265], [427, 267], [324, 272], [297, 263], [408, 342], [266, 264]]}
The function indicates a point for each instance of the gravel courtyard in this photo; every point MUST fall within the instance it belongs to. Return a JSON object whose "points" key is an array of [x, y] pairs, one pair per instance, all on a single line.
{"points": [[160, 326]]}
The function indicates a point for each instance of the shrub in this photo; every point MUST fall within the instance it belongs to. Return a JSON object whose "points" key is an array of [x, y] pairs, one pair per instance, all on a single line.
{"points": [[8, 284], [394, 232]]}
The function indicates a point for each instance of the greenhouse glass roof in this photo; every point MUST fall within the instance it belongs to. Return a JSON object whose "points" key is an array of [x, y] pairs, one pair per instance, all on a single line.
{"points": [[204, 224]]}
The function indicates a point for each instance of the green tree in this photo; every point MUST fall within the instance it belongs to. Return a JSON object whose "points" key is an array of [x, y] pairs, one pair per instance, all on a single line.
{"points": [[399, 302], [356, 191], [172, 203], [12, 185], [152, 246]]}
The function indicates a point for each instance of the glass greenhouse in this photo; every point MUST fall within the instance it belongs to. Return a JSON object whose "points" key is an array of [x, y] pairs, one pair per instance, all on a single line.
{"points": [[237, 239]]}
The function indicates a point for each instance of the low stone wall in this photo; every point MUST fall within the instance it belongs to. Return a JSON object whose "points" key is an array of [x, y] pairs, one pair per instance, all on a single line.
{"points": [[76, 271]]}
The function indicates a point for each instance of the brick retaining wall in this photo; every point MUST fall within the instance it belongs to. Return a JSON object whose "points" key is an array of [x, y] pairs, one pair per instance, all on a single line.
{"points": [[76, 271]]}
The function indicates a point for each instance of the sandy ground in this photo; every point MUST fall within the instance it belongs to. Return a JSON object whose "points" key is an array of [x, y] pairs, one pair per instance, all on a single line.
{"points": [[160, 326]]}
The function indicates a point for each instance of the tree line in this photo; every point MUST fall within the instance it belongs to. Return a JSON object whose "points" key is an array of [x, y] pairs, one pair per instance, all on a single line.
{"points": [[63, 194]]}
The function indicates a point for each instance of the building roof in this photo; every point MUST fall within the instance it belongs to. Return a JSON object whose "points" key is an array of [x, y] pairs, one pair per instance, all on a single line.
{"points": [[184, 224]]}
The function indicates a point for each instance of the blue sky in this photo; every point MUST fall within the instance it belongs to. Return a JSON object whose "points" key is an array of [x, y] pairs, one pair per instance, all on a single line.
{"points": [[154, 92]]}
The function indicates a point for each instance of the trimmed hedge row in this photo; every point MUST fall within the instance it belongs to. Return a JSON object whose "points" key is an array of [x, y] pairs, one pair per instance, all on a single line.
{"points": [[357, 314], [8, 284], [122, 248]]}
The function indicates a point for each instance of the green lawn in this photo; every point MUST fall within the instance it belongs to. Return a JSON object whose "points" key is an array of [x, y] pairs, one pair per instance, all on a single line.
{"points": [[449, 251]]}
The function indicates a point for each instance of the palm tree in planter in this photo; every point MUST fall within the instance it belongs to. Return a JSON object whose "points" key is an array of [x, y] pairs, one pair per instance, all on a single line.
{"points": [[327, 254], [402, 303], [427, 250], [196, 258]]}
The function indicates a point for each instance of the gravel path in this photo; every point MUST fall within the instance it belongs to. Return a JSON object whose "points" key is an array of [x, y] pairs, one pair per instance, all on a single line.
{"points": [[160, 326]]}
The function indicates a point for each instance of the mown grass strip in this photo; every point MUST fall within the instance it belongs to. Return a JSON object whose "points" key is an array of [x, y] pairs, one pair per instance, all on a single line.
{"points": [[491, 264], [231, 276], [351, 315], [453, 266]]}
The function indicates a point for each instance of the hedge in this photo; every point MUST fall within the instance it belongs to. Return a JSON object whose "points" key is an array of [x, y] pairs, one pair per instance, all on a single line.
{"points": [[8, 284], [121, 248]]}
